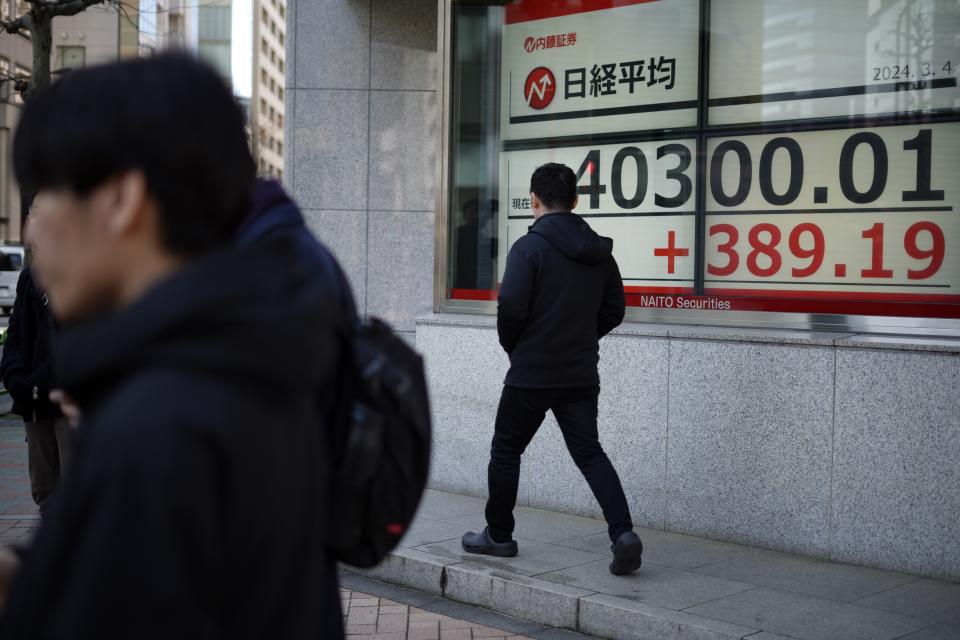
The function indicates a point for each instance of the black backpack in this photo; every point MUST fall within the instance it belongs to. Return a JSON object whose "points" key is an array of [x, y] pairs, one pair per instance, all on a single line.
{"points": [[383, 454]]}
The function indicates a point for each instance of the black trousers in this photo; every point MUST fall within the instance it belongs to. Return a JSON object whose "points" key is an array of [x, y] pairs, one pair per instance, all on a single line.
{"points": [[520, 414]]}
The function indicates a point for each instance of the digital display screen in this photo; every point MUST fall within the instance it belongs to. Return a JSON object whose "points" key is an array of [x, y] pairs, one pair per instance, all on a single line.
{"points": [[816, 171]]}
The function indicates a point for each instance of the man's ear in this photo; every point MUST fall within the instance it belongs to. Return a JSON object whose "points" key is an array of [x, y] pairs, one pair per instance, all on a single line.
{"points": [[126, 197], [535, 201]]}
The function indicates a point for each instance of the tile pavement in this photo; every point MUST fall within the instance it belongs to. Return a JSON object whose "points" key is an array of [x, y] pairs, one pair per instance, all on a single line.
{"points": [[15, 499], [688, 587], [368, 617]]}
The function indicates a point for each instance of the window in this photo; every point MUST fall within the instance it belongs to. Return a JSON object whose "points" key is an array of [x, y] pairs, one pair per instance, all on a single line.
{"points": [[263, 46], [70, 57], [283, 12], [282, 39], [273, 27], [280, 120], [273, 56], [280, 93], [263, 105], [273, 85], [280, 148], [21, 73], [6, 83], [264, 16], [263, 76], [809, 175], [280, 64]]}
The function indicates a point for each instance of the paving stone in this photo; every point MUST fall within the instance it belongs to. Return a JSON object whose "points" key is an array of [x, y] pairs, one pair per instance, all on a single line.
{"points": [[668, 549], [386, 610], [809, 576], [362, 615], [424, 630], [932, 599], [440, 505], [808, 618], [462, 633], [425, 531], [938, 631], [358, 629], [621, 619], [652, 584], [392, 622], [534, 557]]}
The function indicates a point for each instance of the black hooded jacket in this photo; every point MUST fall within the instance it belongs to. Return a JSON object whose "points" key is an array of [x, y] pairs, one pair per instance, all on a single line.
{"points": [[194, 506], [560, 294]]}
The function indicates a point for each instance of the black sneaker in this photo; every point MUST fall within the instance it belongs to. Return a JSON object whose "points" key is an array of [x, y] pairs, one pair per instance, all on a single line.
{"points": [[483, 543], [626, 554]]}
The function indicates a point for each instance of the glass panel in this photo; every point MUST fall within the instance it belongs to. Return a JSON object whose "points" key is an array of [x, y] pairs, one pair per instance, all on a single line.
{"points": [[573, 68], [841, 215], [640, 194], [817, 174], [474, 202], [782, 60]]}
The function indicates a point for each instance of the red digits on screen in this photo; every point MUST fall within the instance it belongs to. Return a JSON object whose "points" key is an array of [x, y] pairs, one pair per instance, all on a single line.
{"points": [[765, 237], [934, 254], [727, 248], [815, 253], [768, 249], [876, 270]]}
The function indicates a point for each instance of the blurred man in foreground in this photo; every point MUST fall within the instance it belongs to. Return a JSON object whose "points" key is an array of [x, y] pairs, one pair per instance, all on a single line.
{"points": [[194, 505]]}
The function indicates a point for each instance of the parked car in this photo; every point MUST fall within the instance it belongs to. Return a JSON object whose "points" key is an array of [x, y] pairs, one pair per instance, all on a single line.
{"points": [[11, 263]]}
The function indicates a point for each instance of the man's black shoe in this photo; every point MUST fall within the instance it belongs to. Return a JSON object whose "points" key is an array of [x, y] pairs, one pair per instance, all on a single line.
{"points": [[626, 554], [483, 543]]}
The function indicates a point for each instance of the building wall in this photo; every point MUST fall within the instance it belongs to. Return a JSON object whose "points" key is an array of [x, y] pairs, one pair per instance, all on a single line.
{"points": [[269, 84], [363, 129], [97, 30], [15, 59], [830, 445]]}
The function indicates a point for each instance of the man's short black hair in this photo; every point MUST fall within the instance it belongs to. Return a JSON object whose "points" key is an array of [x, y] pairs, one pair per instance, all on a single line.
{"points": [[556, 186], [171, 117]]}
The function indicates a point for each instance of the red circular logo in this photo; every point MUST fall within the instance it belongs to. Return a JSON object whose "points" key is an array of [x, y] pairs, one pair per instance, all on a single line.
{"points": [[540, 88]]}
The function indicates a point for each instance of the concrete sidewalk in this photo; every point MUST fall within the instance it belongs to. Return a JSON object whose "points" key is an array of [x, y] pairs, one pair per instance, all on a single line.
{"points": [[689, 588]]}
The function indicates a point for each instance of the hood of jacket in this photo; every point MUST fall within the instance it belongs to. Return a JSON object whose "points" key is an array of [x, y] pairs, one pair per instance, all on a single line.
{"points": [[255, 315], [572, 236]]}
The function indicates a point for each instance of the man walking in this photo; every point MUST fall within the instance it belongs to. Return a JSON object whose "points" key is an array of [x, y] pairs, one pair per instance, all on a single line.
{"points": [[195, 505], [27, 371], [560, 294]]}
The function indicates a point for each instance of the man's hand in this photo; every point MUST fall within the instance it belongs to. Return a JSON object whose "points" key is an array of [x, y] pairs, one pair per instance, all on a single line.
{"points": [[9, 565], [69, 407]]}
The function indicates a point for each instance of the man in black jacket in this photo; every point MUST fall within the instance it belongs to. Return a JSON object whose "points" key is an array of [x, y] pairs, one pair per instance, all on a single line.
{"points": [[27, 371], [560, 294], [195, 503]]}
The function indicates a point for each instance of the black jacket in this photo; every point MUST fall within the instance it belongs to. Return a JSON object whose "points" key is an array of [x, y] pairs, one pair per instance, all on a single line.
{"points": [[560, 294], [195, 503], [27, 364]]}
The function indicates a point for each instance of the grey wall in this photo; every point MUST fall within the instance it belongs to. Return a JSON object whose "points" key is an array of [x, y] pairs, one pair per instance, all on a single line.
{"points": [[835, 446], [363, 136]]}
